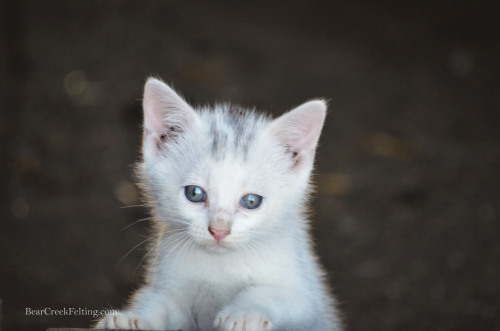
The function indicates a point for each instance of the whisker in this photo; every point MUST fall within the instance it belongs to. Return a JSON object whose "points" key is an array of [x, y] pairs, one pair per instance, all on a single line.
{"points": [[154, 247], [191, 246], [175, 240], [255, 248], [179, 221], [173, 230], [185, 244], [134, 248], [134, 223], [133, 206], [262, 237]]}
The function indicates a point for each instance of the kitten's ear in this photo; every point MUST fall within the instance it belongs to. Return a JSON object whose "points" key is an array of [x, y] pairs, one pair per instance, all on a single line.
{"points": [[299, 131], [166, 114]]}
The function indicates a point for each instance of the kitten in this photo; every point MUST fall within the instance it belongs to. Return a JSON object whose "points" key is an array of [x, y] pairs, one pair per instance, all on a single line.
{"points": [[227, 188]]}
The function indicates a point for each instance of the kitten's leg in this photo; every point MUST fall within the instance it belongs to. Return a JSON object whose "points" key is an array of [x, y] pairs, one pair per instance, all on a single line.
{"points": [[122, 320], [243, 321], [150, 309], [265, 308]]}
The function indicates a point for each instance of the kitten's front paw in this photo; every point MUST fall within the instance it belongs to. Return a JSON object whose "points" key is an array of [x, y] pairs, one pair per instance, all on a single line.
{"points": [[122, 320], [240, 321]]}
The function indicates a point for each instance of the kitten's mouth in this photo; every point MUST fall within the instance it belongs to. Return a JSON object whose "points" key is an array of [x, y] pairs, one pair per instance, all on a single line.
{"points": [[216, 246], [220, 244]]}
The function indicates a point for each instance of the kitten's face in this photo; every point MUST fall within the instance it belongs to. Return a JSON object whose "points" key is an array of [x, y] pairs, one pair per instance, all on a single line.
{"points": [[226, 207], [225, 179], [223, 201]]}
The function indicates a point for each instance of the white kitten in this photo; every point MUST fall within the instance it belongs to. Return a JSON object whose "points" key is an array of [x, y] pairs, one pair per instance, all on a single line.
{"points": [[228, 189]]}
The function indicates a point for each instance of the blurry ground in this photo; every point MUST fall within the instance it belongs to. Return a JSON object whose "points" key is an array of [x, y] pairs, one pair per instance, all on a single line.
{"points": [[408, 205]]}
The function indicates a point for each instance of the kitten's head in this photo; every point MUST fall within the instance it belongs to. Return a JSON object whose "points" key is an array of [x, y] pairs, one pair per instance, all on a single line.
{"points": [[226, 178]]}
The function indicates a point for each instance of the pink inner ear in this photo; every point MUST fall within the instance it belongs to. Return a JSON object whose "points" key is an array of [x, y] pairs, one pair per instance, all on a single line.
{"points": [[155, 104], [164, 110], [153, 120], [307, 140], [300, 128]]}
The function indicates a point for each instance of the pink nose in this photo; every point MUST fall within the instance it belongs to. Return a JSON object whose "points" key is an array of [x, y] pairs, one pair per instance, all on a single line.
{"points": [[218, 234]]}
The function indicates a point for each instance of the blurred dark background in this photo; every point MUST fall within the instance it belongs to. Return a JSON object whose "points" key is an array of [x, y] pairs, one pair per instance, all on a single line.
{"points": [[407, 213]]}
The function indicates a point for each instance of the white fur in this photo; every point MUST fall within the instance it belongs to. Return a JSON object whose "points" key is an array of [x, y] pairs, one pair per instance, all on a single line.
{"points": [[264, 274]]}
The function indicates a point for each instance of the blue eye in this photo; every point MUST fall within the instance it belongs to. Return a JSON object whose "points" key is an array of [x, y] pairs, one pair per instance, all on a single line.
{"points": [[194, 193], [251, 201]]}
